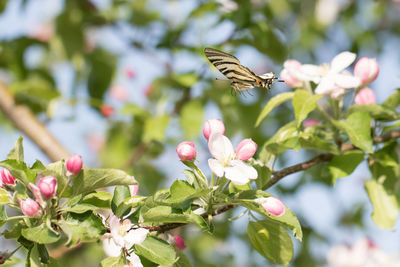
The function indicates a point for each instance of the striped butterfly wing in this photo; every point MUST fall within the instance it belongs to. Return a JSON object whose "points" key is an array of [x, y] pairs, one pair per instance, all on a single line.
{"points": [[241, 77]]}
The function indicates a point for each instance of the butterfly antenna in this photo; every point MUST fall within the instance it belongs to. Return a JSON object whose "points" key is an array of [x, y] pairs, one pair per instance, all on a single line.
{"points": [[281, 81]]}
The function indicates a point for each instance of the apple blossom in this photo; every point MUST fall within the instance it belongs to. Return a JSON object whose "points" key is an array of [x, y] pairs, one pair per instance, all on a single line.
{"points": [[186, 151], [289, 73], [118, 92], [29, 207], [213, 126], [365, 96], [122, 237], [36, 192], [179, 242], [7, 178], [74, 164], [333, 79], [48, 186], [367, 69], [272, 205], [224, 162], [246, 149]]}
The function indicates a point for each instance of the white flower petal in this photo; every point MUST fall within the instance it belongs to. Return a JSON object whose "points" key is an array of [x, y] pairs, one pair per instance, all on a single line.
{"points": [[347, 81], [134, 260], [240, 173], [326, 85], [110, 248], [136, 236], [308, 72], [342, 61], [216, 167], [220, 146]]}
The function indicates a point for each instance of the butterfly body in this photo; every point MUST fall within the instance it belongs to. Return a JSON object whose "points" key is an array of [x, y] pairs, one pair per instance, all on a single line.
{"points": [[241, 77]]}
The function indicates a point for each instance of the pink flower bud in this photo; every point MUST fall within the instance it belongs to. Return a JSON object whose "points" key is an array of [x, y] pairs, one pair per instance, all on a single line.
{"points": [[310, 122], [48, 186], [291, 66], [29, 207], [129, 72], [186, 151], [74, 164], [213, 126], [179, 242], [246, 149], [7, 178], [365, 96], [272, 205], [106, 110], [118, 92], [366, 69]]}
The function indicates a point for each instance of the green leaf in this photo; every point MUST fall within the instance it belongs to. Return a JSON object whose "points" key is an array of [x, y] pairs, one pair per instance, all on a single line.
{"points": [[121, 193], [3, 215], [17, 152], [185, 79], [166, 214], [286, 138], [40, 234], [156, 250], [393, 101], [181, 191], [80, 208], [358, 127], [112, 262], [379, 112], [32, 259], [271, 240], [91, 179], [183, 260], [43, 254], [343, 165], [4, 197], [386, 206], [191, 118], [84, 227], [100, 199], [303, 103], [154, 128], [103, 65], [310, 141], [273, 103], [246, 199]]}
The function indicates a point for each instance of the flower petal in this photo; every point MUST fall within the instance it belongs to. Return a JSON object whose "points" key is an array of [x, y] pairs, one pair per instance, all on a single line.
{"points": [[216, 167], [136, 236], [308, 72], [240, 173], [347, 81], [110, 248], [220, 146], [342, 61], [134, 260], [326, 85]]}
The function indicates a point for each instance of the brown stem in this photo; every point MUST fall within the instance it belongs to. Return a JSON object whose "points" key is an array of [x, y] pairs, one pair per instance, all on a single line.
{"points": [[24, 120]]}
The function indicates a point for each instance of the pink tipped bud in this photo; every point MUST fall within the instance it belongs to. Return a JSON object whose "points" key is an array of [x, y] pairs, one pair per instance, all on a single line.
{"points": [[367, 69], [106, 110], [30, 207], [272, 205], [48, 186], [129, 72], [7, 178], [74, 164], [213, 126], [310, 122], [291, 66], [186, 151], [365, 96], [179, 242], [246, 149]]}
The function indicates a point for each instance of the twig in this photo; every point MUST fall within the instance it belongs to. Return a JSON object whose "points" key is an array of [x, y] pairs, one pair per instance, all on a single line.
{"points": [[24, 120]]}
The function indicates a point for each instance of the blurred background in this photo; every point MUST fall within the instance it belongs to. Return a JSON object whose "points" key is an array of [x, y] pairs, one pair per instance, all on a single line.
{"points": [[123, 82]]}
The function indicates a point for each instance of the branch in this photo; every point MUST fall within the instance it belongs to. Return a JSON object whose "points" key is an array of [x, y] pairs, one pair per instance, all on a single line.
{"points": [[278, 175], [24, 120]]}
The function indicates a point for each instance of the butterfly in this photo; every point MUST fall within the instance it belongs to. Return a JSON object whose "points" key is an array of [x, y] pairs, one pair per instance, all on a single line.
{"points": [[241, 77]]}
